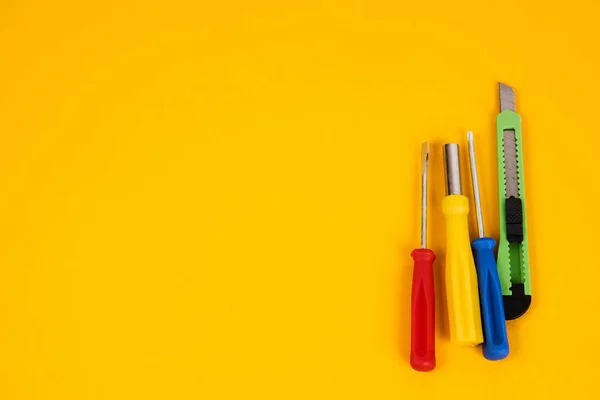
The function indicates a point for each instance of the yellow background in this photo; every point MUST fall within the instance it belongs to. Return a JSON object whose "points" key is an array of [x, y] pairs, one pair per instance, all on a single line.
{"points": [[217, 200]]}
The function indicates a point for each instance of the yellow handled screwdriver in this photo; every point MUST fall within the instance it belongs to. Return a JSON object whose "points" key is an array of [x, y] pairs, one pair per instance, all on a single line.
{"points": [[461, 277]]}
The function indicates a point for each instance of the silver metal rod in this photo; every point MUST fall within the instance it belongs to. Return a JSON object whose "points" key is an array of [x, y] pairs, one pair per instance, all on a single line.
{"points": [[475, 182], [452, 168], [424, 167]]}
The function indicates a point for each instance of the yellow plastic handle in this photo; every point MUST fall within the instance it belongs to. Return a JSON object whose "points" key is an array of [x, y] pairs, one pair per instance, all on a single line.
{"points": [[461, 277]]}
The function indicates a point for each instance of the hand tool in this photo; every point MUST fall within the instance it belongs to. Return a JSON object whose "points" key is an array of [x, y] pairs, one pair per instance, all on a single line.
{"points": [[495, 339], [422, 338], [461, 279], [513, 247]]}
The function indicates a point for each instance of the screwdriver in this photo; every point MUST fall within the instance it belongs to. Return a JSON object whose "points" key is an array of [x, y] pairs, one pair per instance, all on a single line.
{"points": [[461, 278], [495, 344], [422, 333]]}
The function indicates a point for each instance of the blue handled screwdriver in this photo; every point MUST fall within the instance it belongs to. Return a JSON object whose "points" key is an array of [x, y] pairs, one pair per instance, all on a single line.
{"points": [[495, 339]]}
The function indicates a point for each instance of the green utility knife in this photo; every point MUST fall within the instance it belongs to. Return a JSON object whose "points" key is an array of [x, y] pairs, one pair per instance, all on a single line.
{"points": [[513, 250]]}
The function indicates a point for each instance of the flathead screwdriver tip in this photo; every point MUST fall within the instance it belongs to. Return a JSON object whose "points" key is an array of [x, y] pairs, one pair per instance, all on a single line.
{"points": [[424, 156]]}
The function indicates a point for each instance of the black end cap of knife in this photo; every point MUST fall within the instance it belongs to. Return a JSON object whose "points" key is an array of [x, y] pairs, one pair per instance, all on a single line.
{"points": [[516, 304]]}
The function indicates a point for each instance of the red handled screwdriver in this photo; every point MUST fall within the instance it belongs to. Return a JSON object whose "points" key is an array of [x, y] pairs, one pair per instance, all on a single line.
{"points": [[422, 333]]}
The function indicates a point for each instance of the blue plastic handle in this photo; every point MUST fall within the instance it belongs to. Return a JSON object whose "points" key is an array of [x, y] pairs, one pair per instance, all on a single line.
{"points": [[495, 345]]}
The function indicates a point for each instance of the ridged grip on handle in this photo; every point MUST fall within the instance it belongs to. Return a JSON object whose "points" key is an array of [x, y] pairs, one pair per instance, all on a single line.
{"points": [[422, 335], [461, 277], [495, 344]]}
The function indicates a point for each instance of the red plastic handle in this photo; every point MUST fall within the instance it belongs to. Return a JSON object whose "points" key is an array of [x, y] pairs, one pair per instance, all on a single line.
{"points": [[422, 339]]}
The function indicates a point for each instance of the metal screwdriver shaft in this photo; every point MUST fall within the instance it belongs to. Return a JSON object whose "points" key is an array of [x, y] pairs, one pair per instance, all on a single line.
{"points": [[475, 184], [495, 342], [424, 167], [422, 337]]}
